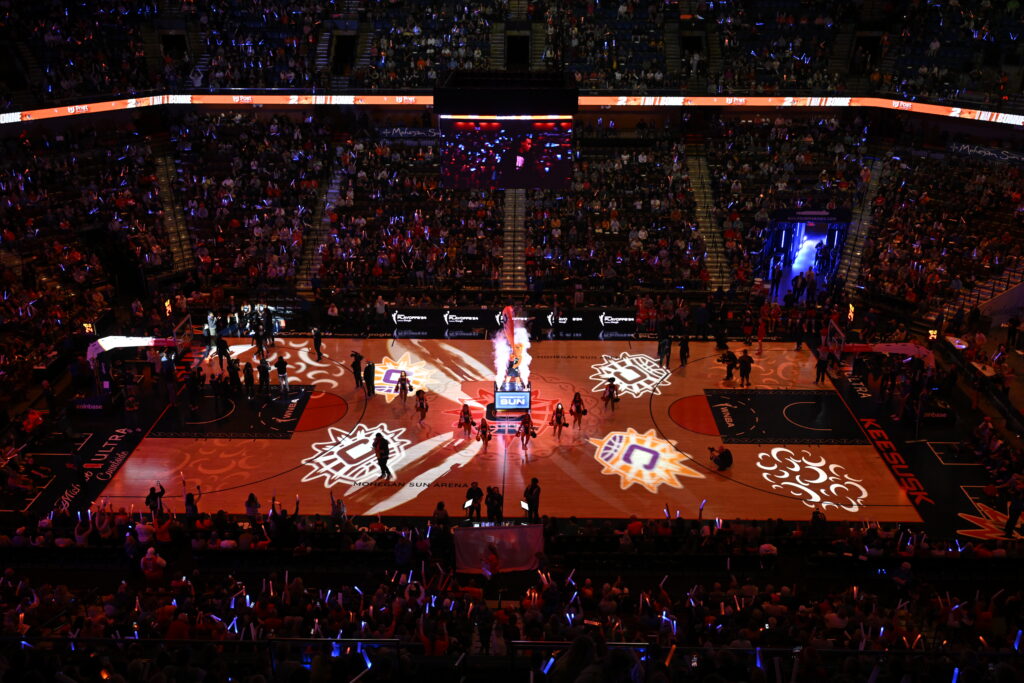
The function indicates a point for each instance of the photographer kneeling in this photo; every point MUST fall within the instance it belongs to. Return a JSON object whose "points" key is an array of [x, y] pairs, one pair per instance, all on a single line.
{"points": [[721, 457]]}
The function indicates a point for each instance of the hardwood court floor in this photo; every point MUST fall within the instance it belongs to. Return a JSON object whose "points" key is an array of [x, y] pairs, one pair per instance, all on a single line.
{"points": [[795, 443]]}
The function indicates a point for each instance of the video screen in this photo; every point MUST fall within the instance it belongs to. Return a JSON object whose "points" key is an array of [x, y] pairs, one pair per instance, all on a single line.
{"points": [[506, 154]]}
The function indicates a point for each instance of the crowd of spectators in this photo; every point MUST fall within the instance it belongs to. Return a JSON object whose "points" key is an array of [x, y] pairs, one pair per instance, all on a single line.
{"points": [[409, 593], [939, 224], [84, 49], [262, 44], [765, 163], [779, 47], [68, 201], [393, 226], [629, 223], [249, 186], [617, 46], [416, 42], [955, 51]]}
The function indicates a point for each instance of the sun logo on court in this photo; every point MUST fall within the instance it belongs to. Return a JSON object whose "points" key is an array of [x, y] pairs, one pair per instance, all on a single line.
{"points": [[643, 459], [349, 458], [387, 372], [635, 374], [989, 525], [811, 479]]}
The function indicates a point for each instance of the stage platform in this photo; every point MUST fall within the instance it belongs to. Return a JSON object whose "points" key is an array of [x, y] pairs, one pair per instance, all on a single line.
{"points": [[797, 446]]}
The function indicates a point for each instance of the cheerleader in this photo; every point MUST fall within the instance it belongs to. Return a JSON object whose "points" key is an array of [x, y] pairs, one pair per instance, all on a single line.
{"points": [[526, 430], [611, 395], [483, 433], [403, 387], [421, 404], [577, 411], [466, 421], [558, 420]]}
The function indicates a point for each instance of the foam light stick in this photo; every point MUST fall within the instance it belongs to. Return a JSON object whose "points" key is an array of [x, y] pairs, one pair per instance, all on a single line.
{"points": [[671, 653], [1016, 642], [568, 579]]}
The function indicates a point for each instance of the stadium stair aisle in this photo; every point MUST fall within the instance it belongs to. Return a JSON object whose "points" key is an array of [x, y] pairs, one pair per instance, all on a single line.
{"points": [[700, 178], [312, 254], [174, 221], [853, 249], [513, 266]]}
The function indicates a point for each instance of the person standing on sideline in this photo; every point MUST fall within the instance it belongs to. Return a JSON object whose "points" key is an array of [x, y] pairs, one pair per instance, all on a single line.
{"points": [[155, 499], [531, 496], [664, 351], [282, 374], [249, 380], [730, 360], [264, 372], [684, 350], [421, 404], [223, 352], [820, 367], [577, 410], [745, 361], [474, 495], [383, 450], [495, 502], [131, 411], [368, 379], [318, 341], [357, 368]]}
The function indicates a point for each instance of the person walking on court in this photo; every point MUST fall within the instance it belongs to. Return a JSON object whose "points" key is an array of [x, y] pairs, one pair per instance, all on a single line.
{"points": [[318, 341], [421, 404], [531, 496], [248, 379], [610, 395], [383, 450], [368, 379], [264, 373], [223, 352], [577, 410], [357, 368], [282, 374], [403, 387], [664, 351], [474, 495], [745, 362], [684, 350], [821, 367]]}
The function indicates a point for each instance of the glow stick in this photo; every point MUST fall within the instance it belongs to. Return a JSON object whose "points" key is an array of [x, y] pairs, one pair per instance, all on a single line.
{"points": [[1016, 642], [663, 580], [671, 653]]}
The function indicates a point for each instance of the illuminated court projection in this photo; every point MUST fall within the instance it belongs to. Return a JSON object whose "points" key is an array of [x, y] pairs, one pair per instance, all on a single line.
{"points": [[796, 446]]}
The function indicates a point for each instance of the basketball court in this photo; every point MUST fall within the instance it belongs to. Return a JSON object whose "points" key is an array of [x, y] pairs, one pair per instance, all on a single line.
{"points": [[796, 445]]}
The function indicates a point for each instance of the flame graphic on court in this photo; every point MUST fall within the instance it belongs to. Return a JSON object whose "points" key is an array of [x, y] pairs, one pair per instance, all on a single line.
{"points": [[989, 524], [635, 374], [349, 458], [643, 459], [387, 372]]}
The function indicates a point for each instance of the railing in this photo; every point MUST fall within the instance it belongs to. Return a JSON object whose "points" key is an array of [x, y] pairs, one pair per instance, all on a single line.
{"points": [[353, 659]]}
